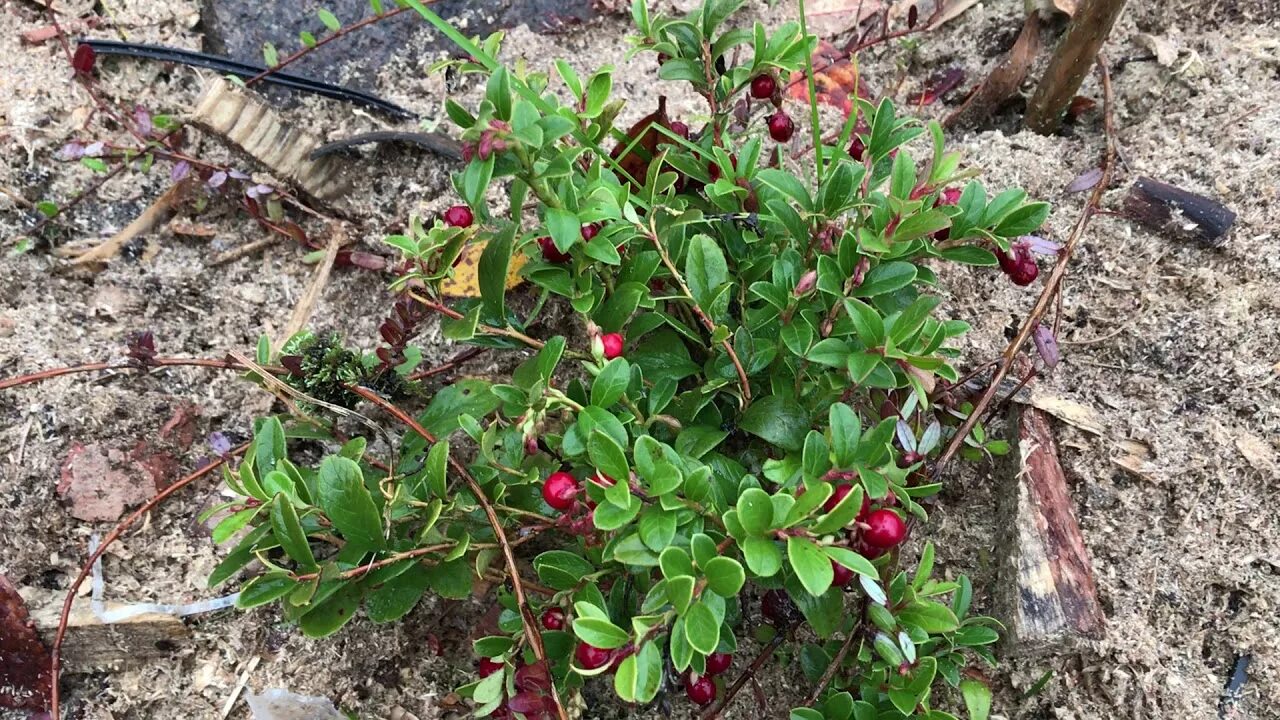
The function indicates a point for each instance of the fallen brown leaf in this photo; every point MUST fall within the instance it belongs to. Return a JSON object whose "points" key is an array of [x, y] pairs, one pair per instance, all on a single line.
{"points": [[835, 79]]}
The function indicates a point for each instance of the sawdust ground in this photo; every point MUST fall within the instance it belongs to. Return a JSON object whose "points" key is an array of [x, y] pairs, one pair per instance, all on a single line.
{"points": [[1174, 344]]}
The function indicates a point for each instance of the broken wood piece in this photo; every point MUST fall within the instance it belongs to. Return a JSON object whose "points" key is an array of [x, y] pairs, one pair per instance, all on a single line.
{"points": [[307, 303], [245, 120], [1071, 61], [92, 645], [1046, 587], [1067, 410], [1005, 78], [1170, 209]]}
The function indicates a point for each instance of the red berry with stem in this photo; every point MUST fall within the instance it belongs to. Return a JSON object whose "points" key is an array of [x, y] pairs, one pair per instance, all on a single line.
{"points": [[884, 529], [680, 128], [590, 230], [1020, 265], [553, 619], [459, 216], [763, 87], [836, 496], [702, 690], [857, 149], [551, 253], [841, 575], [717, 663], [560, 489], [590, 657], [613, 343], [487, 667], [781, 128]]}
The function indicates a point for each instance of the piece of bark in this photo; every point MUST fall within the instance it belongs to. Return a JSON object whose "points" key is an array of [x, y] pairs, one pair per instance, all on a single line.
{"points": [[1046, 589], [1005, 78], [93, 646], [248, 122], [1170, 209], [1071, 61]]}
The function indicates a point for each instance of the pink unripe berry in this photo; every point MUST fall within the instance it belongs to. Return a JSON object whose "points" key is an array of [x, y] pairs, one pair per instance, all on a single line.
{"points": [[459, 216]]}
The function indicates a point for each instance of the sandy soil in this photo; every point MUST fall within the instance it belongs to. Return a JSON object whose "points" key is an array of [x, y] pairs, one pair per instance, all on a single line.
{"points": [[1174, 344]]}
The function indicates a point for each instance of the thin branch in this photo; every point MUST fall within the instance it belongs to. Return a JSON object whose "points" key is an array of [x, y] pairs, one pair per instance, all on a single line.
{"points": [[444, 367], [340, 32], [765, 653], [652, 234], [51, 373], [1051, 285], [56, 651], [834, 667], [531, 631]]}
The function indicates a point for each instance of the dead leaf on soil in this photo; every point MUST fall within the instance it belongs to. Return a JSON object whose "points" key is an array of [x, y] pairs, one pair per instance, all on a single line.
{"points": [[24, 660], [835, 79], [1165, 51], [99, 484], [1256, 451], [1005, 78], [829, 18]]}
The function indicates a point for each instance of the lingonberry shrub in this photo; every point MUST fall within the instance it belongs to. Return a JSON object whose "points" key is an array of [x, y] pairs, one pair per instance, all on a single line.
{"points": [[740, 413]]}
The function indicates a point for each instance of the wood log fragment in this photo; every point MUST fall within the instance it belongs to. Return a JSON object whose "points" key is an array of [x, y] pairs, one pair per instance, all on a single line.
{"points": [[246, 121], [94, 646], [1046, 592], [1072, 60], [1180, 213]]}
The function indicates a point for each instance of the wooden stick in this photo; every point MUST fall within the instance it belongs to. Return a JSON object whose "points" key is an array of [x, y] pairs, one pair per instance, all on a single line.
{"points": [[307, 303], [1070, 63], [1047, 586], [158, 212]]}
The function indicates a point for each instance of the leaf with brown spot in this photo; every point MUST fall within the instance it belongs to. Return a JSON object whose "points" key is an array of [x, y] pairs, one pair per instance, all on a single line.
{"points": [[465, 280], [24, 660], [834, 77]]}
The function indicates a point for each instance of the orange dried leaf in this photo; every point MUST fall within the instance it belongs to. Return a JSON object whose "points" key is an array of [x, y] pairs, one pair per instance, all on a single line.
{"points": [[835, 78]]}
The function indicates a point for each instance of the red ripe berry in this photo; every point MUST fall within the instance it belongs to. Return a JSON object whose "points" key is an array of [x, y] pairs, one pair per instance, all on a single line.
{"points": [[553, 619], [590, 657], [559, 490], [781, 128], [459, 216], [718, 663], [857, 149], [590, 230], [487, 667], [839, 494], [841, 575], [702, 691], [885, 529], [680, 129], [1020, 266], [551, 253], [763, 87], [612, 345], [83, 59]]}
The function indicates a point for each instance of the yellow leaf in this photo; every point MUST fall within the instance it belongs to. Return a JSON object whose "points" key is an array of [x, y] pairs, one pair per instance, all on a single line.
{"points": [[465, 280]]}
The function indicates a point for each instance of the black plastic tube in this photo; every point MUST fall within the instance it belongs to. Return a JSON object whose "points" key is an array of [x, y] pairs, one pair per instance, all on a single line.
{"points": [[227, 66]]}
